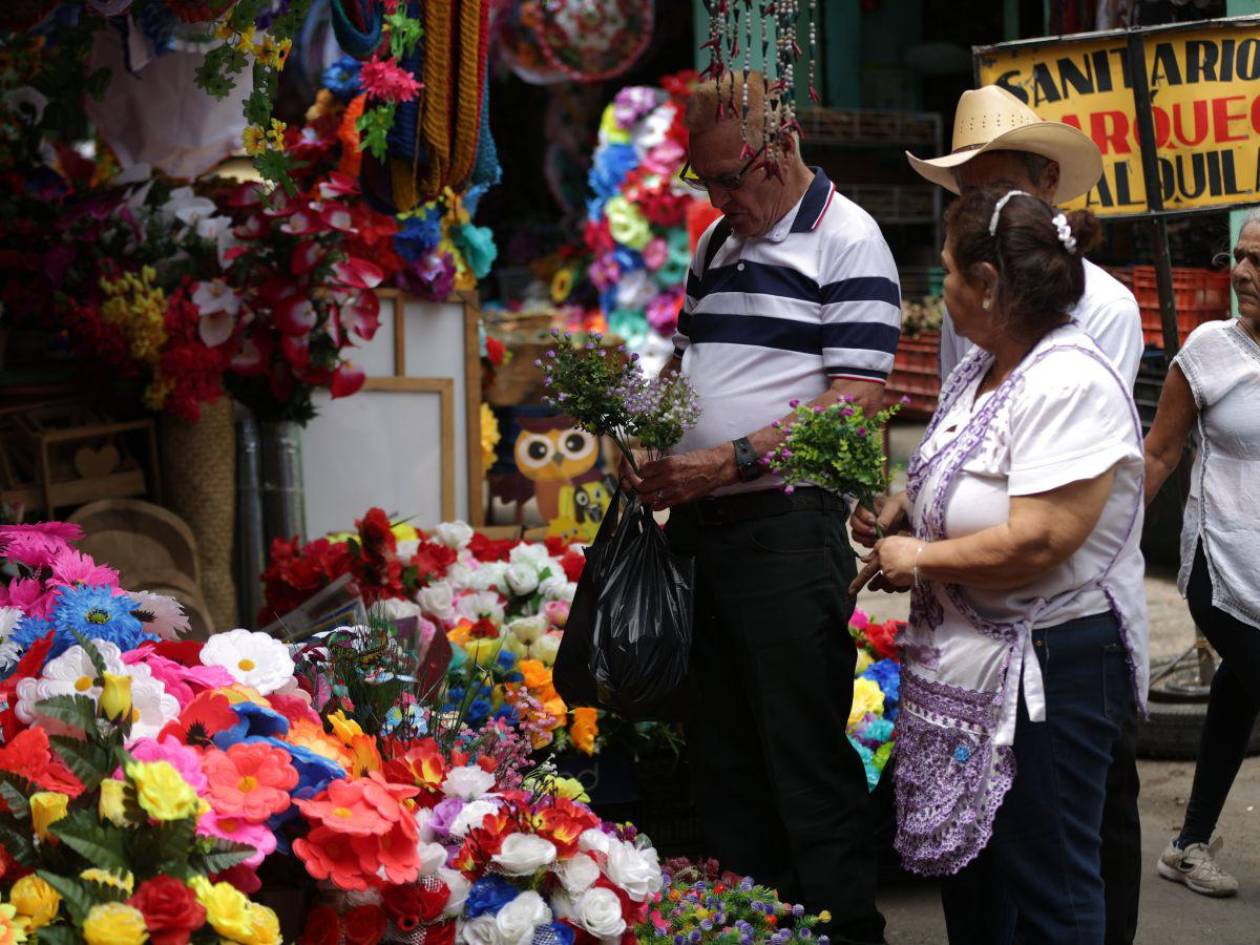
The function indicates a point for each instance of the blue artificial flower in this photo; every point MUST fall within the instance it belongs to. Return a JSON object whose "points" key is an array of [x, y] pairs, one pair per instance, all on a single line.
{"points": [[488, 895], [513, 677], [868, 763], [478, 711], [627, 259], [961, 754], [97, 613], [554, 933], [506, 660], [877, 731], [314, 771], [342, 78], [508, 714], [472, 197], [255, 721], [595, 208], [419, 235], [477, 245], [612, 163], [456, 694], [30, 630], [887, 675]]}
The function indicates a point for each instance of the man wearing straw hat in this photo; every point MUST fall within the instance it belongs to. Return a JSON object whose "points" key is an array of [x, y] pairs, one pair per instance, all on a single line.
{"points": [[1001, 142]]}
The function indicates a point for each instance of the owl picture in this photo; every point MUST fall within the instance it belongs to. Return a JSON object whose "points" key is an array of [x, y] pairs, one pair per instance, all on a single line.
{"points": [[552, 453]]}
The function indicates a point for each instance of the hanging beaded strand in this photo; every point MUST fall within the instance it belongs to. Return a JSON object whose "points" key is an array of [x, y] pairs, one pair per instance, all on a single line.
{"points": [[746, 153], [814, 96]]}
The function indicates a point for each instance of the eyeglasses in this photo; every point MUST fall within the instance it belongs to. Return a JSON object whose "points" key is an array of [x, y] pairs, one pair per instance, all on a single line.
{"points": [[726, 182]]}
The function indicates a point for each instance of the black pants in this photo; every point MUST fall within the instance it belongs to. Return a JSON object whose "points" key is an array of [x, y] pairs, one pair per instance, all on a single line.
{"points": [[1232, 708], [1041, 871], [782, 795], [1122, 865]]}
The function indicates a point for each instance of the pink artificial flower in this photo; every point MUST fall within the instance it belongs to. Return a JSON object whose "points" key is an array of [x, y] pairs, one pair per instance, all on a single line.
{"points": [[604, 272], [183, 682], [338, 184], [29, 596], [337, 216], [346, 380], [665, 158], [662, 311], [361, 314], [358, 273], [185, 760], [295, 707], [556, 612], [73, 567], [859, 620], [305, 257], [258, 836], [304, 222], [36, 545], [295, 315], [385, 81], [655, 253]]}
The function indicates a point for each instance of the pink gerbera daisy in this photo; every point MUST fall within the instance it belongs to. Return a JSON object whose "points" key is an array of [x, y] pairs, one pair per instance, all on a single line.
{"points": [[36, 545], [387, 82], [73, 567]]}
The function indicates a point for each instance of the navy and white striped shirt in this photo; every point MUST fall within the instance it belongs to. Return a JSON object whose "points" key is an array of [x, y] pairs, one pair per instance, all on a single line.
{"points": [[776, 318]]}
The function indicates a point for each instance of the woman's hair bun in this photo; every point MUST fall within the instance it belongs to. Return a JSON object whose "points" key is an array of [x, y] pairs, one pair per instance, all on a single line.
{"points": [[1086, 228]]}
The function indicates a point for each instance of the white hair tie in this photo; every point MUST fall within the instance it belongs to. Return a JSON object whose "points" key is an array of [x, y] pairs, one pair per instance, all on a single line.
{"points": [[997, 210], [1061, 224]]}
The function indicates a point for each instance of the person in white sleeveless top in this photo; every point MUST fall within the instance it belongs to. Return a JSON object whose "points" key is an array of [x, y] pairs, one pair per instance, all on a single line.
{"points": [[1213, 391], [1018, 536]]}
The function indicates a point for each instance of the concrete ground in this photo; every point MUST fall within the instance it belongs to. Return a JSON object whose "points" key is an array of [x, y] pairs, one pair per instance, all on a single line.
{"points": [[1170, 914]]}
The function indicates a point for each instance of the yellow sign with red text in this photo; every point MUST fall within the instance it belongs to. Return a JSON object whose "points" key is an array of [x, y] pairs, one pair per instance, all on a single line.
{"points": [[1205, 102]]}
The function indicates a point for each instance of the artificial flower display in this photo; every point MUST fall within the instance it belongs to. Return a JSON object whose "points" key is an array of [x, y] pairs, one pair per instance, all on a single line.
{"points": [[636, 226], [876, 693]]}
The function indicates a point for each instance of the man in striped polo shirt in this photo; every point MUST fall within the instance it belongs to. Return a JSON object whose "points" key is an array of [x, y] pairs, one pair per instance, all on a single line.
{"points": [[792, 295]]}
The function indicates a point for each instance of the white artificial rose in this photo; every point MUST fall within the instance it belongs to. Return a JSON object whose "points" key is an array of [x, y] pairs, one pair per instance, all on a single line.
{"points": [[517, 920], [530, 553], [491, 576], [395, 609], [432, 857], [480, 931], [459, 888], [577, 874], [528, 629], [424, 821], [470, 817], [460, 576], [552, 586], [524, 854], [455, 535], [406, 550], [599, 912], [545, 648], [522, 579], [636, 871], [469, 783], [482, 604], [597, 841], [438, 600]]}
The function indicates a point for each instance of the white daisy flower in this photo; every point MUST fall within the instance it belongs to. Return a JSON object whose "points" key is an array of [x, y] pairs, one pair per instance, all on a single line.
{"points": [[70, 674], [253, 658], [10, 652]]}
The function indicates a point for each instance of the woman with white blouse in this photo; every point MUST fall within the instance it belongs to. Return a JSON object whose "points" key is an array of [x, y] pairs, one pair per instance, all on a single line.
{"points": [[1018, 535], [1213, 389]]}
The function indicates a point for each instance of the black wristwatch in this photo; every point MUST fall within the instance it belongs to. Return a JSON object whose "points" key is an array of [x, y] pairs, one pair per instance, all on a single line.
{"points": [[747, 462]]}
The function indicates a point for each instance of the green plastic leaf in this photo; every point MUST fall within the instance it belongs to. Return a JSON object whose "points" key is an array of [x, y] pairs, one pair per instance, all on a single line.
{"points": [[404, 32], [58, 935], [14, 791], [97, 843], [373, 127], [98, 661], [224, 856], [17, 842], [78, 712], [258, 108], [75, 896]]}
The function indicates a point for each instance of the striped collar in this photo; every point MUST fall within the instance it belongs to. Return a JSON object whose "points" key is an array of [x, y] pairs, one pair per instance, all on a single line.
{"points": [[808, 212]]}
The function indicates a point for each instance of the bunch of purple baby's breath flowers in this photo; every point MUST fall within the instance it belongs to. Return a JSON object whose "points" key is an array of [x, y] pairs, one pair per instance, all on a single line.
{"points": [[606, 393]]}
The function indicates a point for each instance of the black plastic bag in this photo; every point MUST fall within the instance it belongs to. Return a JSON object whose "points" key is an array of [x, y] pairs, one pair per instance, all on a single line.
{"points": [[627, 641]]}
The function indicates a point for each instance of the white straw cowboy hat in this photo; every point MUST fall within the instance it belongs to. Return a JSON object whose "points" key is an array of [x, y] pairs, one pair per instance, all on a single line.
{"points": [[992, 119]]}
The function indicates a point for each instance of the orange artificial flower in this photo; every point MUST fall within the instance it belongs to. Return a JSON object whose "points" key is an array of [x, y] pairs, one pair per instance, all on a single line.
{"points": [[583, 729], [348, 862], [310, 735], [537, 675], [460, 634], [423, 765], [366, 756], [343, 808], [250, 781]]}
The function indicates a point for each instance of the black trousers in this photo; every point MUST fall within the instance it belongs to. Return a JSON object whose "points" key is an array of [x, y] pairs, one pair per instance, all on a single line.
{"points": [[1233, 705], [1122, 837], [782, 795]]}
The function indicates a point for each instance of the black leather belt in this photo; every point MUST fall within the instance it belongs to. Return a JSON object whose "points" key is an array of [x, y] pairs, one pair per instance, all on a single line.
{"points": [[746, 506]]}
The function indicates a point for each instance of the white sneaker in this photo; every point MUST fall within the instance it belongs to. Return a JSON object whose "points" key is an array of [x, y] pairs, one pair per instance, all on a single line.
{"points": [[1196, 868]]}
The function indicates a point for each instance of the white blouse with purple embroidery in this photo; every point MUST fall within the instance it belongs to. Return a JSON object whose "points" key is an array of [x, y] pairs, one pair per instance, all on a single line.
{"points": [[1062, 416]]}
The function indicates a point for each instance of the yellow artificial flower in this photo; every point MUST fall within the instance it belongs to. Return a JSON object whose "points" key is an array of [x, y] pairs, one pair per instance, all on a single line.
{"points": [[627, 224], [584, 728], [272, 53], [223, 30], [254, 139], [404, 531], [12, 931], [115, 701], [227, 909], [456, 213], [114, 923], [275, 137], [863, 662], [609, 130], [162, 791], [571, 788], [111, 805], [245, 38], [264, 926], [156, 393], [35, 900], [344, 728], [867, 697], [47, 807], [490, 436], [137, 308], [124, 882], [561, 285]]}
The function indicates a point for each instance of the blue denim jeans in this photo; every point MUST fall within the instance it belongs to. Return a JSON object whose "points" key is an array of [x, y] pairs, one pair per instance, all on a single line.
{"points": [[1041, 872]]}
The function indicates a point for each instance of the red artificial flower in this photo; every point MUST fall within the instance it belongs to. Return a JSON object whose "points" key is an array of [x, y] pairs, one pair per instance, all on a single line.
{"points": [[494, 350], [386, 81], [207, 715], [489, 549], [484, 629], [883, 638], [30, 756], [346, 380], [31, 664], [598, 237], [416, 904], [423, 765], [361, 314], [171, 910], [323, 927], [376, 533], [431, 560], [573, 562], [184, 652], [358, 273], [240, 876], [364, 925], [563, 822], [443, 934]]}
